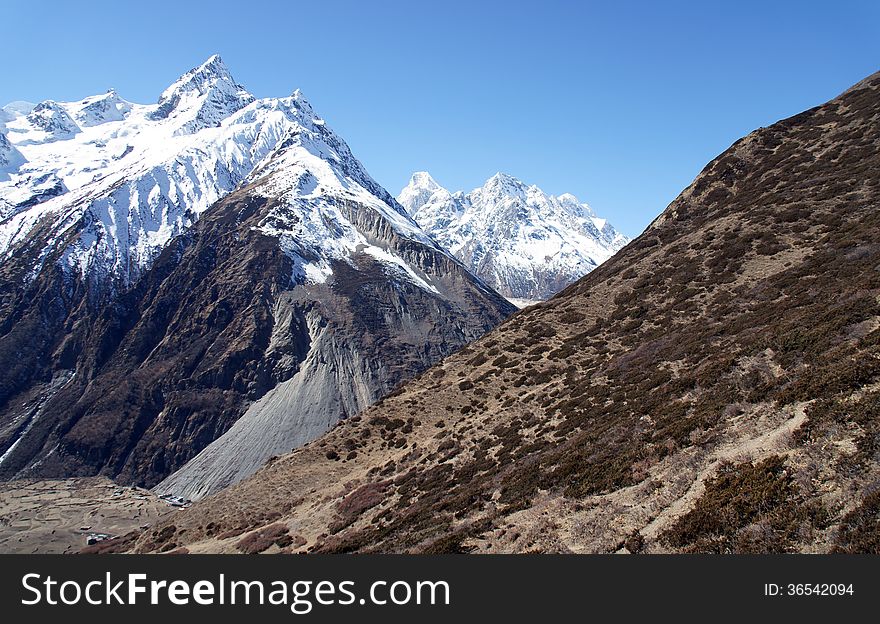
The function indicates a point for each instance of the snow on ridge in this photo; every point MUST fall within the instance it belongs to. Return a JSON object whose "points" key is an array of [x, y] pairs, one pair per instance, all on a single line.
{"points": [[419, 190], [313, 173], [10, 159], [98, 109]]}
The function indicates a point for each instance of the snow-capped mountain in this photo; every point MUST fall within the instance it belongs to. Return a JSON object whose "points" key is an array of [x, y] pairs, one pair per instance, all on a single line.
{"points": [[526, 244], [129, 177], [190, 287]]}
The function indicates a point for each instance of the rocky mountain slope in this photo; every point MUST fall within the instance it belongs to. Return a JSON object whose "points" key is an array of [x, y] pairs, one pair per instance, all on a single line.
{"points": [[714, 387], [233, 290], [526, 244]]}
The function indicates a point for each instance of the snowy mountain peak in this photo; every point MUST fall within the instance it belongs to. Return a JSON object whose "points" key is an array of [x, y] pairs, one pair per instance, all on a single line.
{"points": [[214, 64], [503, 179], [501, 186], [526, 244], [53, 120], [202, 97], [98, 109], [418, 192], [423, 179], [570, 200], [201, 78], [111, 195]]}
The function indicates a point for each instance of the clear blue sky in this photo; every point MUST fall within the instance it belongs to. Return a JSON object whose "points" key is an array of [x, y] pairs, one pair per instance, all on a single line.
{"points": [[620, 103]]}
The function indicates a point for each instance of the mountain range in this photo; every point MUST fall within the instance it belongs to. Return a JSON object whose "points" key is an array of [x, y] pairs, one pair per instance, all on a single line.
{"points": [[713, 387], [209, 296], [524, 243]]}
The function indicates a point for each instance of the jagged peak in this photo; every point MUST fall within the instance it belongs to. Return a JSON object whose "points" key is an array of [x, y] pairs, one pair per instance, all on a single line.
{"points": [[46, 105], [52, 118], [423, 179], [201, 78], [300, 101], [299, 97], [209, 90], [214, 66], [501, 178], [109, 94], [420, 189], [214, 61], [503, 184], [504, 180], [98, 109]]}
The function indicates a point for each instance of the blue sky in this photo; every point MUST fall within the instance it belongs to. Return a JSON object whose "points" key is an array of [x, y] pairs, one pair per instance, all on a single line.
{"points": [[620, 103]]}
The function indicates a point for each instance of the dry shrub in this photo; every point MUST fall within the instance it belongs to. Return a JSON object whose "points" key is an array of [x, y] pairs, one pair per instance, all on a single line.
{"points": [[261, 539]]}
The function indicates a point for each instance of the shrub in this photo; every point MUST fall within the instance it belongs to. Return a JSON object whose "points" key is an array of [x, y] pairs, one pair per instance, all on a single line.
{"points": [[762, 496], [261, 539], [860, 528]]}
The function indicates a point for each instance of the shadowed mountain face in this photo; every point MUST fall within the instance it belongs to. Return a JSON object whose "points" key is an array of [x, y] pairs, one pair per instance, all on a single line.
{"points": [[299, 298], [713, 387], [142, 385]]}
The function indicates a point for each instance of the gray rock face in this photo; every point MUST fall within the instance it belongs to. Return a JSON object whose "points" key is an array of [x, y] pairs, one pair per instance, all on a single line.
{"points": [[337, 378], [366, 332]]}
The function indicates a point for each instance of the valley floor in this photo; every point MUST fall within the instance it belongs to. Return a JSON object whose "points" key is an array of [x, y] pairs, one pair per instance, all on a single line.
{"points": [[57, 516]]}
